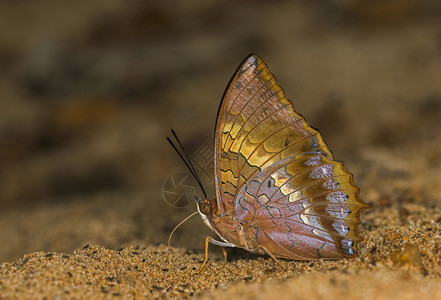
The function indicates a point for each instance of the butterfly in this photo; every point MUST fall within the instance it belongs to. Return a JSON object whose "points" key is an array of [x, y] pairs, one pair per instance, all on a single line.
{"points": [[279, 190]]}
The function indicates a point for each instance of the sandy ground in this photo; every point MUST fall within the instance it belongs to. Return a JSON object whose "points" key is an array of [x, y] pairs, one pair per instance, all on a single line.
{"points": [[90, 89], [396, 261]]}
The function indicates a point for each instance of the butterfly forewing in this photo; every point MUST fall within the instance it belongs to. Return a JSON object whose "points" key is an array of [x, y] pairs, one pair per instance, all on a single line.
{"points": [[275, 172], [256, 126]]}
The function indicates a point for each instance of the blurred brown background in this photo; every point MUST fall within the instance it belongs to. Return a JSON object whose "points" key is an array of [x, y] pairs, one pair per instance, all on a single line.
{"points": [[90, 89]]}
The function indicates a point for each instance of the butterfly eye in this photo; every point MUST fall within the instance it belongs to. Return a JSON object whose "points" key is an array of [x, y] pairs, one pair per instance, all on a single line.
{"points": [[204, 207]]}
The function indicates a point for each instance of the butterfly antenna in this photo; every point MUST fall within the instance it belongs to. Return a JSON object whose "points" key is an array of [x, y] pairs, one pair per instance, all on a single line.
{"points": [[183, 159], [188, 164], [174, 229], [185, 153]]}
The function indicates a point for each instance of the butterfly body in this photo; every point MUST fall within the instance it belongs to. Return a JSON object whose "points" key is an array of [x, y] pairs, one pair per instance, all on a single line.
{"points": [[278, 189], [230, 230]]}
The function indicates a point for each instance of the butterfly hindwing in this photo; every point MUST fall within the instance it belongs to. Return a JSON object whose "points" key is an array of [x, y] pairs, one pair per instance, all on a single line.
{"points": [[312, 212]]}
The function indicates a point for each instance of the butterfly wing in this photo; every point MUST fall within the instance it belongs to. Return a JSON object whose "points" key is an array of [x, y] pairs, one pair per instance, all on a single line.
{"points": [[257, 128], [304, 207]]}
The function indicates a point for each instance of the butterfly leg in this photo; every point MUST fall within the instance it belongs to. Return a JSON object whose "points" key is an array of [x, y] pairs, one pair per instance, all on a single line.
{"points": [[272, 256], [214, 242], [225, 253]]}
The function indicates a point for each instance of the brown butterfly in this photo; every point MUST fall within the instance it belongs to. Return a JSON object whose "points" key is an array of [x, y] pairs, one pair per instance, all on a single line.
{"points": [[279, 190]]}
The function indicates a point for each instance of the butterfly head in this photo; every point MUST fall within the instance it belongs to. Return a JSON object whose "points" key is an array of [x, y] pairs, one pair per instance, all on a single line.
{"points": [[204, 206], [206, 209]]}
